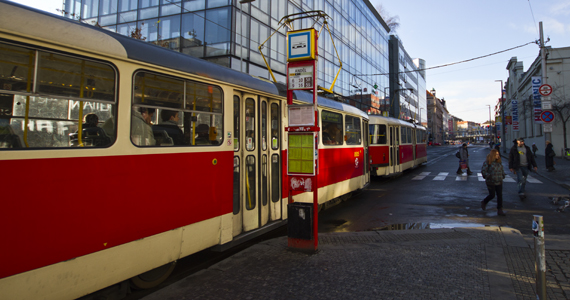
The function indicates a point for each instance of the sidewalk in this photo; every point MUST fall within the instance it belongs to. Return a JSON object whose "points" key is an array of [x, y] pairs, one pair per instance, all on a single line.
{"points": [[458, 263]]}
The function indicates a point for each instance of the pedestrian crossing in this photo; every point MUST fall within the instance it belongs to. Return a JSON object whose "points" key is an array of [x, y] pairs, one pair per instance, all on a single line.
{"points": [[441, 176]]}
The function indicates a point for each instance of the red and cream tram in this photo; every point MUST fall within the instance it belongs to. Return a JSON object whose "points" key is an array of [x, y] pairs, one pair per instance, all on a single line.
{"points": [[395, 145], [119, 157]]}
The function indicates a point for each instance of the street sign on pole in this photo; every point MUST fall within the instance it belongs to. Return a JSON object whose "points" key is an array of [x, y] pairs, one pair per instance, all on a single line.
{"points": [[545, 90], [547, 116]]}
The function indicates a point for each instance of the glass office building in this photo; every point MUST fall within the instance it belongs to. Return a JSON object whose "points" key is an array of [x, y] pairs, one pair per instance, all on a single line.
{"points": [[408, 84], [229, 33]]}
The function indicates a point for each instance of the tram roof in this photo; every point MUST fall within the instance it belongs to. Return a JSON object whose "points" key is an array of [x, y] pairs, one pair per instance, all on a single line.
{"points": [[376, 119]]}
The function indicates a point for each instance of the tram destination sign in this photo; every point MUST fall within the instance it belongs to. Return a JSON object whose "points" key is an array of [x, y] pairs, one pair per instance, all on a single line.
{"points": [[301, 77]]}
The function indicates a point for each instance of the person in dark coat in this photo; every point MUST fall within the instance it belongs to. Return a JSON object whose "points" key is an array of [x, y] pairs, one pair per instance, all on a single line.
{"points": [[521, 162], [534, 149], [549, 156], [492, 171]]}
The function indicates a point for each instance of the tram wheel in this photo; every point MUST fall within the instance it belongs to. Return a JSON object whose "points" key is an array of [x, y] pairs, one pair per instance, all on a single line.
{"points": [[152, 278]]}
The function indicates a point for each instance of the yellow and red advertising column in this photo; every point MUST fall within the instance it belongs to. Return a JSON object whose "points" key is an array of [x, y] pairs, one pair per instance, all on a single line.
{"points": [[303, 136]]}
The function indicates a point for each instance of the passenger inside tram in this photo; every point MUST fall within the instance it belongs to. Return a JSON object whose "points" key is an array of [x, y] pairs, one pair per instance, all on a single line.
{"points": [[141, 130], [169, 125], [202, 134], [92, 134], [330, 135]]}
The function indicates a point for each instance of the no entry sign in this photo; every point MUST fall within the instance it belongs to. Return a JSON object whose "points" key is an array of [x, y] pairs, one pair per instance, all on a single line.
{"points": [[545, 90]]}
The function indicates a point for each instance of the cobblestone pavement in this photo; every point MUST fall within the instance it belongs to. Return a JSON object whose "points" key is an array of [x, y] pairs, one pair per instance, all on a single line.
{"points": [[522, 268], [459, 263]]}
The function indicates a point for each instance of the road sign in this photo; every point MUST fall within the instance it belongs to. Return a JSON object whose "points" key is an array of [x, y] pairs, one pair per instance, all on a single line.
{"points": [[545, 90], [547, 116], [547, 127]]}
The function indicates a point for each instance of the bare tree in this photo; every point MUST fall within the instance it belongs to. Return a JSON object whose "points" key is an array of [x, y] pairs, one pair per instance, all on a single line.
{"points": [[393, 22], [561, 109]]}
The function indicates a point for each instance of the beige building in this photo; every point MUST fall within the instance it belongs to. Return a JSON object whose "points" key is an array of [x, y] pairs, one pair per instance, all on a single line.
{"points": [[519, 104]]}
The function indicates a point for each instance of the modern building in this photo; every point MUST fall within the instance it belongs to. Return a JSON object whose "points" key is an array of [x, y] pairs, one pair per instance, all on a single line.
{"points": [[229, 33], [407, 83], [519, 104]]}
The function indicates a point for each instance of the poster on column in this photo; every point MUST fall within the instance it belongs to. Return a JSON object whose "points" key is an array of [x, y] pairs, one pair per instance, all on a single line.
{"points": [[536, 100]]}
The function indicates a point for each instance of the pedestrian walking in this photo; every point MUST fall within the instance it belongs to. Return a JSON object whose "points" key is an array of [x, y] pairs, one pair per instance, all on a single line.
{"points": [[549, 155], [521, 162], [493, 172], [534, 149], [463, 155]]}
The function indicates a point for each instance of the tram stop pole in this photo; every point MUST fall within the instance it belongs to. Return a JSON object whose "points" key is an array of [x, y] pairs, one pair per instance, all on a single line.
{"points": [[303, 130], [539, 255], [302, 136]]}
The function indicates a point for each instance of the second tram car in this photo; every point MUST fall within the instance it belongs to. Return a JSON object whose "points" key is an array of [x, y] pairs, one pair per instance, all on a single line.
{"points": [[395, 145], [120, 157]]}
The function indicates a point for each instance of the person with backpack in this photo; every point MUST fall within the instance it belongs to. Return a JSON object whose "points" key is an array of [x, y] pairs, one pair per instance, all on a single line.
{"points": [[493, 172]]}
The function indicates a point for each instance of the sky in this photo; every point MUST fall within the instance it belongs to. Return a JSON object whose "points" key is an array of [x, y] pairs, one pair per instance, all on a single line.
{"points": [[448, 31]]}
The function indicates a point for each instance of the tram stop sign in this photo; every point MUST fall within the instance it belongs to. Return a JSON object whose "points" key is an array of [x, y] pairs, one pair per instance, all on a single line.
{"points": [[547, 116]]}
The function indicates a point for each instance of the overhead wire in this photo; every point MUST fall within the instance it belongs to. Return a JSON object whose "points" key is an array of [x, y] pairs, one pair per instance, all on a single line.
{"points": [[454, 63]]}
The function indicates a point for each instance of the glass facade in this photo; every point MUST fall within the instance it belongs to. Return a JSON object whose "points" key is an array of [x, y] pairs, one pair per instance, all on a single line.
{"points": [[407, 84], [229, 33]]}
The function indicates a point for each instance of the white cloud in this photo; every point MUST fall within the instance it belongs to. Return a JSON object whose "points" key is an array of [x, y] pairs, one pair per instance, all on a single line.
{"points": [[562, 8]]}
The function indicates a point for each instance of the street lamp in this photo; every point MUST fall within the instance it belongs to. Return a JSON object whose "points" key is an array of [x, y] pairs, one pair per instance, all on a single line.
{"points": [[489, 130], [502, 118]]}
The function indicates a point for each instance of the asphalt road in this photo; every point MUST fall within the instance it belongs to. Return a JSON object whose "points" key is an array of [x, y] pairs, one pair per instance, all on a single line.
{"points": [[433, 196]]}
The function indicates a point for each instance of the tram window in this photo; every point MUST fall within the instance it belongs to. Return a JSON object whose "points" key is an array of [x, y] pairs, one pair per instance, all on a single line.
{"points": [[16, 68], [250, 193], [332, 128], [237, 185], [404, 135], [187, 113], [263, 125], [378, 134], [203, 97], [249, 124], [75, 78], [275, 177], [352, 130], [409, 137], [236, 122], [53, 123], [157, 90], [275, 117], [53, 108]]}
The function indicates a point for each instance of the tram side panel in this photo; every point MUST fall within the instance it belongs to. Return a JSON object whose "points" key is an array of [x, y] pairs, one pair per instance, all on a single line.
{"points": [[92, 215]]}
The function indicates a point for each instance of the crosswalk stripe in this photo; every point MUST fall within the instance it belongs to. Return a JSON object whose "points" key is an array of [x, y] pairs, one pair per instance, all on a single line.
{"points": [[441, 176], [532, 179]]}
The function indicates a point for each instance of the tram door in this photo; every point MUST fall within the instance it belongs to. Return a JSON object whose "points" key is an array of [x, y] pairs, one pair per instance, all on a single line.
{"points": [[254, 165], [394, 149]]}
